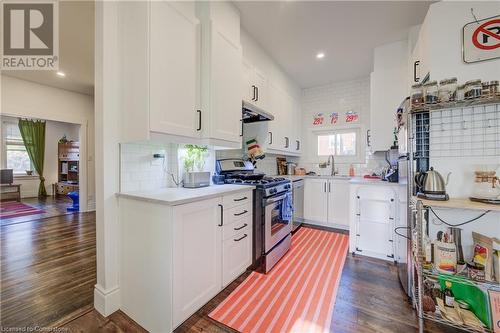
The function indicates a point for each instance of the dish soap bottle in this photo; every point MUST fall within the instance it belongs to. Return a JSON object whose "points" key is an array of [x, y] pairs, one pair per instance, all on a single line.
{"points": [[448, 297], [351, 171]]}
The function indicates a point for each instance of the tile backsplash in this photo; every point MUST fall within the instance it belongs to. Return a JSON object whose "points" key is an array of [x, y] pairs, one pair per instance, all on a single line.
{"points": [[140, 171]]}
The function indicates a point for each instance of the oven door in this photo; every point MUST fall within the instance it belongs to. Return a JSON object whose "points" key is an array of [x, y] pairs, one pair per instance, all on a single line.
{"points": [[275, 228]]}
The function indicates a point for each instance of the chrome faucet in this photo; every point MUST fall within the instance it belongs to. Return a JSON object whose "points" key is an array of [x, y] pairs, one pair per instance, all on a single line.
{"points": [[332, 164]]}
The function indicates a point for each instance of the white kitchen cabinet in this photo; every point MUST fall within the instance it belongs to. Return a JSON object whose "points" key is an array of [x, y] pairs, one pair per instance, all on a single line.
{"points": [[316, 200], [326, 202], [197, 248], [222, 75], [255, 86], [388, 88], [237, 251], [372, 220], [174, 88], [338, 203], [180, 69], [174, 259], [283, 134]]}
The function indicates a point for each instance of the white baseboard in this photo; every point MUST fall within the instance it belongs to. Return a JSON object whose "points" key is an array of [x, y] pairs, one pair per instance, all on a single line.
{"points": [[106, 301]]}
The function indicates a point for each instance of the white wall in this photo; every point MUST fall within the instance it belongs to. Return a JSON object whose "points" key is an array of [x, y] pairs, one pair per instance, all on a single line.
{"points": [[337, 97], [445, 20], [20, 98], [54, 130]]}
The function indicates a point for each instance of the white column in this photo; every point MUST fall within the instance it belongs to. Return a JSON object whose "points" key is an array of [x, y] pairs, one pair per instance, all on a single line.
{"points": [[107, 118]]}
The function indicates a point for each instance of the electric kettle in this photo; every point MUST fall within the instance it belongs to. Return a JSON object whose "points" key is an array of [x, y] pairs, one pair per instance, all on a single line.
{"points": [[432, 185]]}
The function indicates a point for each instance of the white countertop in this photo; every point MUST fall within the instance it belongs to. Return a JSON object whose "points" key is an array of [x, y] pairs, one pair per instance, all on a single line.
{"points": [[351, 180], [178, 196]]}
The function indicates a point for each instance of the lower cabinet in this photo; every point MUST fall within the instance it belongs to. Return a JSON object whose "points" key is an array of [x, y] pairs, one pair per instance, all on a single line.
{"points": [[197, 259], [373, 218], [326, 202], [174, 259]]}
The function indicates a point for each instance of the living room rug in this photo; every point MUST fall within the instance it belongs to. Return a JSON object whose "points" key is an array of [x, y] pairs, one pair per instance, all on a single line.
{"points": [[297, 295], [12, 209]]}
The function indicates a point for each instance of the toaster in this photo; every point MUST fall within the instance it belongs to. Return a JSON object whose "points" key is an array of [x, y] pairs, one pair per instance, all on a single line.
{"points": [[196, 179]]}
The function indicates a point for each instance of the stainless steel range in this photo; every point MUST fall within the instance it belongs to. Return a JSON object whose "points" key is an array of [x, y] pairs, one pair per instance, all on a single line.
{"points": [[271, 233]]}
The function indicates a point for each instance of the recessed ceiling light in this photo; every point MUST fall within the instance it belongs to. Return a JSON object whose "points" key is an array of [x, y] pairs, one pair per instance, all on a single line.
{"points": [[320, 55], [61, 74]]}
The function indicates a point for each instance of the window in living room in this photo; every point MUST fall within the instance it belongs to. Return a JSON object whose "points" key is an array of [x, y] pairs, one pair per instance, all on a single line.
{"points": [[16, 157]]}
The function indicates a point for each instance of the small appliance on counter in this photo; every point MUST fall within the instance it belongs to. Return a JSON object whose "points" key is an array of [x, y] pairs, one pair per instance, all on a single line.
{"points": [[290, 168], [390, 174], [193, 179], [431, 185]]}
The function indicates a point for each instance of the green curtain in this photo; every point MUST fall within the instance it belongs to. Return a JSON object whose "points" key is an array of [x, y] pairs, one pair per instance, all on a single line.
{"points": [[33, 133]]}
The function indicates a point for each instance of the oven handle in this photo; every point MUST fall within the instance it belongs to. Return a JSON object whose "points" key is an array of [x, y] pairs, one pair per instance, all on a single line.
{"points": [[273, 200]]}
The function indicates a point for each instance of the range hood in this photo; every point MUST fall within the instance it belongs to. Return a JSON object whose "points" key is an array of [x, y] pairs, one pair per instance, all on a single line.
{"points": [[252, 114]]}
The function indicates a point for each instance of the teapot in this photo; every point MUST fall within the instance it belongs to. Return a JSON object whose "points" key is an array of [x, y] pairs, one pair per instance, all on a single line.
{"points": [[431, 182]]}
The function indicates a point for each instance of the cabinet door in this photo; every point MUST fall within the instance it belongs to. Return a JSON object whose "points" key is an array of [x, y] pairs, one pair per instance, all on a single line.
{"points": [[276, 139], [248, 83], [197, 256], [316, 200], [338, 203], [375, 224], [225, 88], [174, 70], [262, 92], [236, 254]]}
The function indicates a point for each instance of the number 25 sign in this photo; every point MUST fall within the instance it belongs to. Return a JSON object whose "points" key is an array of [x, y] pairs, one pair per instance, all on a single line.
{"points": [[481, 40]]}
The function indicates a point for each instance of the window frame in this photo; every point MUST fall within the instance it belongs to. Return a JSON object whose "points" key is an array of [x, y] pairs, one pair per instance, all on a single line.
{"points": [[358, 158], [5, 143]]}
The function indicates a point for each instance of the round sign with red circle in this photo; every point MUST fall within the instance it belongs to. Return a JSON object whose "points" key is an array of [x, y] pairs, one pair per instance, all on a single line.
{"points": [[487, 35]]}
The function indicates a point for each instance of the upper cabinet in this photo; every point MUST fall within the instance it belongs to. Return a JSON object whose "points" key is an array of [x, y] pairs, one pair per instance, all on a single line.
{"points": [[255, 86], [388, 88], [180, 72]]}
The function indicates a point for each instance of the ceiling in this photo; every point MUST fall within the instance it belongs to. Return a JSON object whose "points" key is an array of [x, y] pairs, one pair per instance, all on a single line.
{"points": [[76, 50], [293, 32]]}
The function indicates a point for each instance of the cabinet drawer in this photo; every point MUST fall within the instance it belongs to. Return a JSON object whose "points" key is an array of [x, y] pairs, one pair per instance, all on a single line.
{"points": [[238, 227], [237, 213], [236, 256], [236, 199]]}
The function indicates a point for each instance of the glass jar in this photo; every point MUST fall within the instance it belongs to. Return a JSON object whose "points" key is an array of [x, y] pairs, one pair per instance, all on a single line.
{"points": [[494, 88], [447, 90], [460, 96], [473, 89], [431, 92], [417, 95]]}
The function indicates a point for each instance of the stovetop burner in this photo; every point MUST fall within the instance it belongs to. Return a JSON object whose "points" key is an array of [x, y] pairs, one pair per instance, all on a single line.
{"points": [[264, 182]]}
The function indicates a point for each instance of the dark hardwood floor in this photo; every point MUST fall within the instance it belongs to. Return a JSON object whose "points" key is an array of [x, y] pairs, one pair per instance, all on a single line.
{"points": [[53, 206], [48, 269]]}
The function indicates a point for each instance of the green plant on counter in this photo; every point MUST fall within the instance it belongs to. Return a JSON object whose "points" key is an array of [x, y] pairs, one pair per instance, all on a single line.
{"points": [[195, 157]]}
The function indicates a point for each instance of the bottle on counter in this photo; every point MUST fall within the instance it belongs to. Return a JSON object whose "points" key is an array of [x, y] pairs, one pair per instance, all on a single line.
{"points": [[351, 171], [448, 297]]}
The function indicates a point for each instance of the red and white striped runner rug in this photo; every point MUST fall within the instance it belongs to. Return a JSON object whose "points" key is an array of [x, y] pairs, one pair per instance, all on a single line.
{"points": [[298, 294]]}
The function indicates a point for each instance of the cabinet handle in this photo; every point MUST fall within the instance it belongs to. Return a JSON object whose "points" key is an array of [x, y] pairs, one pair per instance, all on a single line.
{"points": [[238, 239], [329, 187], [415, 77], [221, 215], [243, 212], [243, 226], [298, 144], [257, 88], [368, 137], [241, 127], [240, 199], [199, 120], [358, 249], [270, 138], [254, 98], [324, 186], [287, 142]]}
